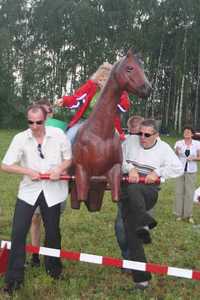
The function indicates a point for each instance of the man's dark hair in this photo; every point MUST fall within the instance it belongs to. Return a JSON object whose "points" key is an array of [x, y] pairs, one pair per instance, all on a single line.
{"points": [[188, 127]]}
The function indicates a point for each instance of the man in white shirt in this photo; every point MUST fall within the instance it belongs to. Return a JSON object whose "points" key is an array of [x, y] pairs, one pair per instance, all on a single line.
{"points": [[35, 229], [152, 158], [32, 152]]}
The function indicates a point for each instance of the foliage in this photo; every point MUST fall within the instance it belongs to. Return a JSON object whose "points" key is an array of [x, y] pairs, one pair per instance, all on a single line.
{"points": [[49, 47], [174, 244]]}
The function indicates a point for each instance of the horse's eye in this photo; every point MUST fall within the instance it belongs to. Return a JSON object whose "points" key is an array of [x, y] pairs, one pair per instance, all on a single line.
{"points": [[130, 68]]}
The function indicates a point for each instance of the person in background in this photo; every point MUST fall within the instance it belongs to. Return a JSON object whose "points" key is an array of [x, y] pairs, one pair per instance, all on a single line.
{"points": [[46, 104], [36, 219], [188, 151], [133, 125], [84, 99], [152, 158], [30, 154]]}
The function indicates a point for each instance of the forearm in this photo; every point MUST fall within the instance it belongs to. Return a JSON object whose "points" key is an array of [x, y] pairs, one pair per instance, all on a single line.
{"points": [[126, 167], [64, 166], [170, 171], [194, 157], [69, 101], [15, 169]]}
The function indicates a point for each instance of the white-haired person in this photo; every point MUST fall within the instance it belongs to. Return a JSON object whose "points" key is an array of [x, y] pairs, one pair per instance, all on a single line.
{"points": [[84, 99]]}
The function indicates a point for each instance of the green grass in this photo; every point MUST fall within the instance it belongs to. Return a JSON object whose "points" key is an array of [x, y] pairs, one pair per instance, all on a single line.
{"points": [[174, 244]]}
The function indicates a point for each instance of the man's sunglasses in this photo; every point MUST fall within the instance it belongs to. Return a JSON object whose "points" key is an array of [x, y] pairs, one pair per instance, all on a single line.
{"points": [[146, 135], [36, 122]]}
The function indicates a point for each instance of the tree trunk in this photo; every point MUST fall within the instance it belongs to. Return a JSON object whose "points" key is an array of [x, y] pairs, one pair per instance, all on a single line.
{"points": [[182, 82], [176, 116], [155, 90], [168, 103], [196, 113]]}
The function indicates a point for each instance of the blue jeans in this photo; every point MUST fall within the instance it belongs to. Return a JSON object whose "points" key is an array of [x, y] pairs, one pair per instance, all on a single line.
{"points": [[72, 131], [121, 233]]}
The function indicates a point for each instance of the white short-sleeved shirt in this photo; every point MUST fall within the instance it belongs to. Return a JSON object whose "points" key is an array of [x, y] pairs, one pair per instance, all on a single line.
{"points": [[194, 148], [23, 151]]}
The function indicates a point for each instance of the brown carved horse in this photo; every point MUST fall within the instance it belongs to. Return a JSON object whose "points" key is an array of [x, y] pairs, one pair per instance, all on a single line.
{"points": [[97, 148]]}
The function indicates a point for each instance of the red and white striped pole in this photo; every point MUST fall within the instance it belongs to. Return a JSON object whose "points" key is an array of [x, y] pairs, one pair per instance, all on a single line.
{"points": [[110, 261], [4, 253], [46, 176]]}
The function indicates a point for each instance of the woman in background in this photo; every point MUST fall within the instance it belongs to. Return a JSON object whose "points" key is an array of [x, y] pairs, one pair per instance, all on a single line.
{"points": [[188, 151]]}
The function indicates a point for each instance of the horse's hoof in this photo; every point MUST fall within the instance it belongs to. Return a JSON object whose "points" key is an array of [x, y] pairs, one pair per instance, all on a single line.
{"points": [[75, 204], [93, 209], [115, 200]]}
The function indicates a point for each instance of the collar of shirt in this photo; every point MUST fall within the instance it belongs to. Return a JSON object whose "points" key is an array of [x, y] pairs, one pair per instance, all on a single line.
{"points": [[48, 132]]}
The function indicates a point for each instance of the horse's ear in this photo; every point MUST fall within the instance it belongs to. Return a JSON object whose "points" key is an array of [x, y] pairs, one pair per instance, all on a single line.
{"points": [[130, 52]]}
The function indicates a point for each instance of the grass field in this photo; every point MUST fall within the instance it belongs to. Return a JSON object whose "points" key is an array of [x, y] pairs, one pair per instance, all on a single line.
{"points": [[174, 244]]}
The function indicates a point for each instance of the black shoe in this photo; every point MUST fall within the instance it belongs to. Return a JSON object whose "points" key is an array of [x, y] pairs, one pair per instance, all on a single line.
{"points": [[55, 273], [144, 234], [35, 260], [126, 271], [12, 287], [153, 224]]}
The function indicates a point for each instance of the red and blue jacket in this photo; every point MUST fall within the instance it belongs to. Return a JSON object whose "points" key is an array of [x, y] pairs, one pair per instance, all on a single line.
{"points": [[81, 99]]}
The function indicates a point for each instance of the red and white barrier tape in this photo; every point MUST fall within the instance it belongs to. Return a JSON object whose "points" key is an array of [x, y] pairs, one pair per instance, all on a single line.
{"points": [[109, 261]]}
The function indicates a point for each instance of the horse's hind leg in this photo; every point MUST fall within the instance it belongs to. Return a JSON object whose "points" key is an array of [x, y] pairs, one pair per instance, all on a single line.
{"points": [[75, 203], [82, 182], [114, 178], [95, 196]]}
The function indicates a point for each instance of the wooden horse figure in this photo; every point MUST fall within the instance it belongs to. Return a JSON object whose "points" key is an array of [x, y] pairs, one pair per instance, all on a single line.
{"points": [[97, 147]]}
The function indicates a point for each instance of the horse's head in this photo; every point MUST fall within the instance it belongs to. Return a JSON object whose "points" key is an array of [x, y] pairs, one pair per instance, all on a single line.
{"points": [[130, 75]]}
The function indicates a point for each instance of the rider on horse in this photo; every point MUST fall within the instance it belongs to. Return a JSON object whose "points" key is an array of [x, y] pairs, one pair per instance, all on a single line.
{"points": [[84, 98]]}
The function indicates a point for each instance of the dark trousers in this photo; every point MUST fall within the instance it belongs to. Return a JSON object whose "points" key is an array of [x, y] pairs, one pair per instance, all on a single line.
{"points": [[21, 224], [120, 232], [137, 200]]}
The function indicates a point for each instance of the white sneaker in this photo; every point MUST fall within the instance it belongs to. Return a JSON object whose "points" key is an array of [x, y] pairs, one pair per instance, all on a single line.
{"points": [[142, 285]]}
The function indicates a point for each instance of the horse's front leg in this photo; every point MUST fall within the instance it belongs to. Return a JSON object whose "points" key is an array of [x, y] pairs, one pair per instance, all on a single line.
{"points": [[82, 182], [114, 178]]}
